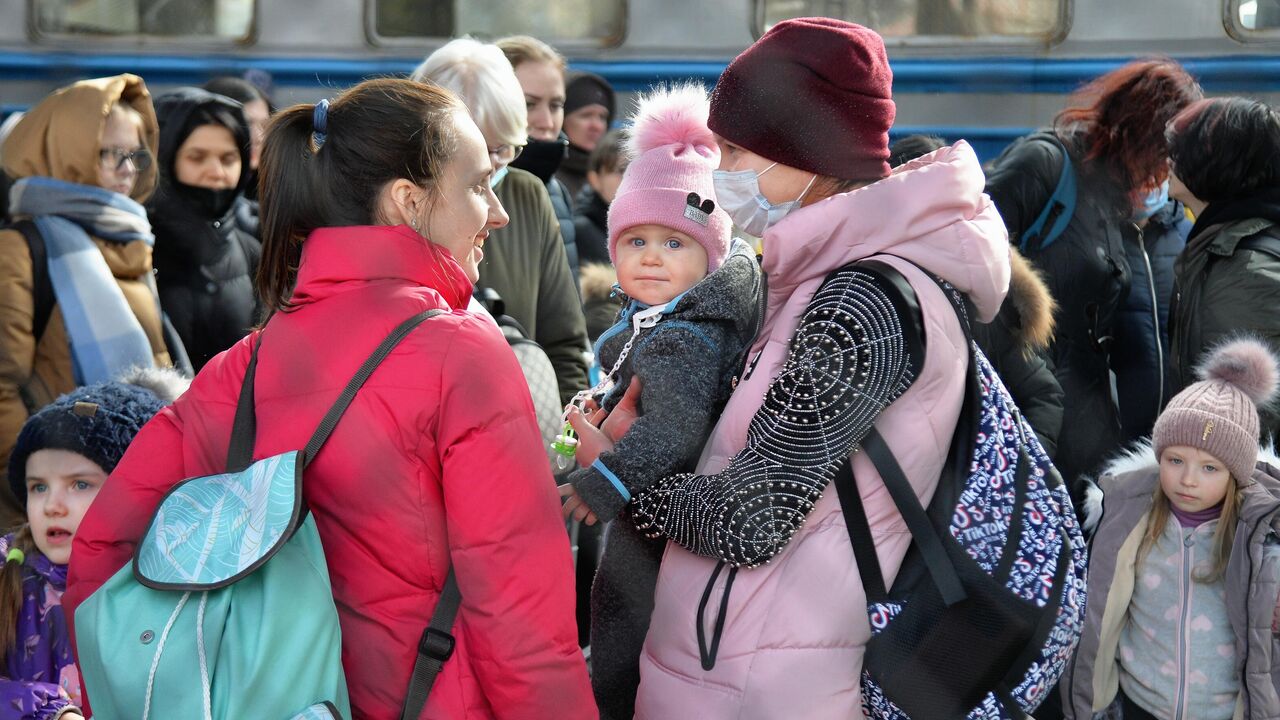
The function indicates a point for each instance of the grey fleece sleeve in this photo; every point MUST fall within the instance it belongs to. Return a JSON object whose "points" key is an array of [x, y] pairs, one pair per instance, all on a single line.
{"points": [[848, 361], [679, 372]]}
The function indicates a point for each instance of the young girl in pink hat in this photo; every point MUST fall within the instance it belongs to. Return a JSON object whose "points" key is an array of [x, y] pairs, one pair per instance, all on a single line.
{"points": [[1183, 580]]}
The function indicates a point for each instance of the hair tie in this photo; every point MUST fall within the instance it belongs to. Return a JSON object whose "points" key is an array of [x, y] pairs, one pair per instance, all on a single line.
{"points": [[320, 122], [16, 555]]}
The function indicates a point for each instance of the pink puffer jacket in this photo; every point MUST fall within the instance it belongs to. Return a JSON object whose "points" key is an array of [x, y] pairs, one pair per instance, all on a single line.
{"points": [[796, 628]]}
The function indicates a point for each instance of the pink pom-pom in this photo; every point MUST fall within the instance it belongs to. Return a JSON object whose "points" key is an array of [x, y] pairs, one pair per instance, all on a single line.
{"points": [[673, 116], [1247, 364]]}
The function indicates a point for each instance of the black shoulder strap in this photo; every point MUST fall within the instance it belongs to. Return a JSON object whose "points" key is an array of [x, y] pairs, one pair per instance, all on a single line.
{"points": [[434, 648], [1263, 242], [41, 282], [923, 532], [244, 429], [332, 417]]}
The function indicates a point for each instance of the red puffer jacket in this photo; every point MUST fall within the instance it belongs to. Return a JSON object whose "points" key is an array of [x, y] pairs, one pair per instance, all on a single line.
{"points": [[437, 461]]}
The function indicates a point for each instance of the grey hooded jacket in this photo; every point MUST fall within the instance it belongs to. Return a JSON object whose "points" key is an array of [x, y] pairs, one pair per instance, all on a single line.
{"points": [[1091, 682], [685, 364]]}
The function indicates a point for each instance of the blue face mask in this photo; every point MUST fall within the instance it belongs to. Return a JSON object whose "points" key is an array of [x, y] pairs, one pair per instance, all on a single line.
{"points": [[1151, 204], [738, 192], [498, 175]]}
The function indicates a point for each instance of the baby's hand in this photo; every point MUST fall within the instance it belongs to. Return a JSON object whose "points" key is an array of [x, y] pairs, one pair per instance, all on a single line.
{"points": [[591, 441], [575, 507]]}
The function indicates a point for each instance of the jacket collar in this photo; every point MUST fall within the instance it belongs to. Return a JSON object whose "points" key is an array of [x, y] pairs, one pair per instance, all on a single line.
{"points": [[931, 211], [1223, 239], [340, 255], [1134, 475]]}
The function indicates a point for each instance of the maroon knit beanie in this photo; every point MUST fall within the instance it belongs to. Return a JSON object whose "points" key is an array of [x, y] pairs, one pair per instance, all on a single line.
{"points": [[812, 93]]}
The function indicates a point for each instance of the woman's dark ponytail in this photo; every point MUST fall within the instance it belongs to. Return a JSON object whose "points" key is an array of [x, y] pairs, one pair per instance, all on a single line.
{"points": [[287, 201], [11, 576], [374, 133]]}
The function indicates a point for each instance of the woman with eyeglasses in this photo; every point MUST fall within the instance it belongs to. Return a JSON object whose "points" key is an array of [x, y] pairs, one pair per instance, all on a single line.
{"points": [[77, 301], [205, 261], [526, 263]]}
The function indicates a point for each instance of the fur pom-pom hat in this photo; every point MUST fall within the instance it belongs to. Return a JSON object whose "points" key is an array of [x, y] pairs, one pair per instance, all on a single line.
{"points": [[1219, 414], [668, 181], [96, 421]]}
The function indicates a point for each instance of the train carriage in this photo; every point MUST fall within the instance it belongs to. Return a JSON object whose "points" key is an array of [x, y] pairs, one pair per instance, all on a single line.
{"points": [[985, 70]]}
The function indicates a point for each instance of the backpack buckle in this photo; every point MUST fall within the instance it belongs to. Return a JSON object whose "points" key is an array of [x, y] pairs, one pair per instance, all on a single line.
{"points": [[436, 644]]}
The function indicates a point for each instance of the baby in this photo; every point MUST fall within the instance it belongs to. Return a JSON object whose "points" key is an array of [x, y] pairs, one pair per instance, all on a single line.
{"points": [[689, 313]]}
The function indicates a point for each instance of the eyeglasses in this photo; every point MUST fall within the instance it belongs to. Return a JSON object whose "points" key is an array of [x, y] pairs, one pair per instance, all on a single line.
{"points": [[506, 153], [116, 158]]}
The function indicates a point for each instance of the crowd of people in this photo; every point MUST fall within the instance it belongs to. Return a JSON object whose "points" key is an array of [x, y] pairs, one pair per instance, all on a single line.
{"points": [[785, 357]]}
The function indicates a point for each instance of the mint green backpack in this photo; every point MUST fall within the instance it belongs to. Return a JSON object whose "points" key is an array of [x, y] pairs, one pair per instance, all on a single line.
{"points": [[226, 611]]}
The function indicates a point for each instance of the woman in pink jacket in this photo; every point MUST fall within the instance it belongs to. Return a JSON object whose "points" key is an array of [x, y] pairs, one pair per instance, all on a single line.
{"points": [[838, 351], [376, 208]]}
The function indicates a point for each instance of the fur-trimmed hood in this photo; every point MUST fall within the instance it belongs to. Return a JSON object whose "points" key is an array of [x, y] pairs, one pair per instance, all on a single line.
{"points": [[1034, 304], [598, 281], [1139, 457]]}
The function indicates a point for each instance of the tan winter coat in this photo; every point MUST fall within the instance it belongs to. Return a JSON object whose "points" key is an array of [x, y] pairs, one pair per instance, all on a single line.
{"points": [[60, 138]]}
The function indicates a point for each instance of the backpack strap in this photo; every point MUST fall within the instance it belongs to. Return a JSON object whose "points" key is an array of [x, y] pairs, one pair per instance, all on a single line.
{"points": [[332, 417], [245, 427], [1058, 210], [41, 282], [434, 648], [923, 533]]}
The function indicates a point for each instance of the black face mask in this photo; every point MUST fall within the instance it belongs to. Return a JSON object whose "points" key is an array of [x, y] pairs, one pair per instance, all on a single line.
{"points": [[543, 157], [206, 203]]}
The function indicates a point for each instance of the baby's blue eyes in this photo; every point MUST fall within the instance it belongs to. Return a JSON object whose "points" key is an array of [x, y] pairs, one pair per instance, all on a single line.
{"points": [[670, 243]]}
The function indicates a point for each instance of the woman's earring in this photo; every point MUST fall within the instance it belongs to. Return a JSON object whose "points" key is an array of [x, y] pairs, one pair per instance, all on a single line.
{"points": [[413, 222]]}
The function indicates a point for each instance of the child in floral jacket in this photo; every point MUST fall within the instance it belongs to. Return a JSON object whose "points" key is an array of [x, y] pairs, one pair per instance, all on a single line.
{"points": [[62, 457]]}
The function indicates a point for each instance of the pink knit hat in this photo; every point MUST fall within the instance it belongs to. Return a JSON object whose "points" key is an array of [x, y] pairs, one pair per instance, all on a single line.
{"points": [[668, 182], [1219, 414]]}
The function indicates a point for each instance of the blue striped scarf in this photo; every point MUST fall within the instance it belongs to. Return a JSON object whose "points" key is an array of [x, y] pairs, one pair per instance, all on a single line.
{"points": [[106, 337]]}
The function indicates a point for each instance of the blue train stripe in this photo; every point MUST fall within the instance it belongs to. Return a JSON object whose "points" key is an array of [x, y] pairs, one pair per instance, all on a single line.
{"points": [[952, 75]]}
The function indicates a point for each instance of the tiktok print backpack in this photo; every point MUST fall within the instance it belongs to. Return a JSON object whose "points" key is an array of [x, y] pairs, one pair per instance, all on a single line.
{"points": [[988, 606]]}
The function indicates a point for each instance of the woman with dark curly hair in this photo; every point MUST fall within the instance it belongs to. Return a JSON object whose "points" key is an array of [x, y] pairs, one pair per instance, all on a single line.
{"points": [[1110, 142], [1224, 161]]}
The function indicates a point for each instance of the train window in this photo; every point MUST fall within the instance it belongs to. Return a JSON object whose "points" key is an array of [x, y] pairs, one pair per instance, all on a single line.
{"points": [[227, 20], [599, 23], [903, 19], [1255, 16]]}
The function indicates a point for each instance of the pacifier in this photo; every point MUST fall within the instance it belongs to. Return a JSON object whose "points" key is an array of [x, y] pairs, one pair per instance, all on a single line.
{"points": [[566, 447]]}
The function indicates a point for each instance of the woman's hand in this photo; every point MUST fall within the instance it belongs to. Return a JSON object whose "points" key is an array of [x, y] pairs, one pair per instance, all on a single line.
{"points": [[574, 507], [591, 441], [617, 423]]}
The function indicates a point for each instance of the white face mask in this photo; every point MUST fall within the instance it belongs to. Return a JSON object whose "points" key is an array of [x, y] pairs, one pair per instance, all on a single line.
{"points": [[498, 175], [738, 192]]}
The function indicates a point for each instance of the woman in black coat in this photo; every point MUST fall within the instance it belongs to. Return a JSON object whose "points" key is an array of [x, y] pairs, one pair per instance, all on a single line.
{"points": [[1113, 137], [205, 263]]}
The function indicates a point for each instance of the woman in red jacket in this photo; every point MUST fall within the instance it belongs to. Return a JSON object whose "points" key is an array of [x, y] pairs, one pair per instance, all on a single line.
{"points": [[376, 208]]}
